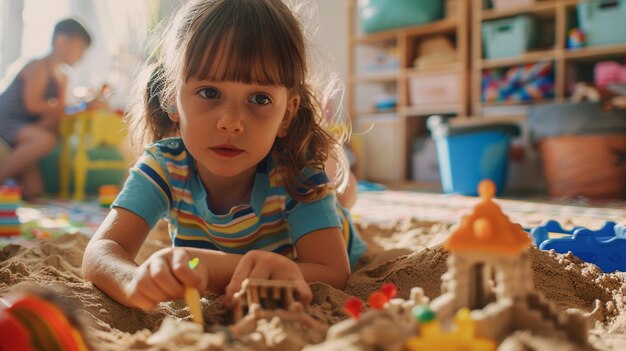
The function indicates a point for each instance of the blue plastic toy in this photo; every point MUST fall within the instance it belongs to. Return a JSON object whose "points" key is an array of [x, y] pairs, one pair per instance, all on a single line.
{"points": [[605, 247]]}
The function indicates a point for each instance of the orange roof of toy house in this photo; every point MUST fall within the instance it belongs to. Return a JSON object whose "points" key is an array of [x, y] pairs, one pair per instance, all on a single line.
{"points": [[487, 229]]}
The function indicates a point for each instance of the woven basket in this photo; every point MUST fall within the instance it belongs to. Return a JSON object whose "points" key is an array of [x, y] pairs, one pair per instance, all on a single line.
{"points": [[585, 165]]}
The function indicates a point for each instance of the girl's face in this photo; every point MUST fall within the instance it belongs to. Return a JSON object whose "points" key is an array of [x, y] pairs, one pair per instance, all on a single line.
{"points": [[230, 127]]}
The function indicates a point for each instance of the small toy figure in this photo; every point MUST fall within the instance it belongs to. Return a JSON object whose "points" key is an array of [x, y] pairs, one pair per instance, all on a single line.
{"points": [[576, 38]]}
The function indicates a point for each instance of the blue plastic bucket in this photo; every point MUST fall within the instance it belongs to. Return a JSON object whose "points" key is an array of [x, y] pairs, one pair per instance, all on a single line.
{"points": [[469, 154]]}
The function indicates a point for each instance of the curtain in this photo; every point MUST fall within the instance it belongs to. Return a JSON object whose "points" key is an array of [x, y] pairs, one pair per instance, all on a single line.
{"points": [[10, 32]]}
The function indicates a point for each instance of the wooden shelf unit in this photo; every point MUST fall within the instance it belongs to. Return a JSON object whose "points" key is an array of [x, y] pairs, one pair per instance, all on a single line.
{"points": [[557, 10], [387, 135]]}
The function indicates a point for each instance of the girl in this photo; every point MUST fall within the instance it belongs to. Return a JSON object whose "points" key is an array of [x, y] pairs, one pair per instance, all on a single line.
{"points": [[243, 187]]}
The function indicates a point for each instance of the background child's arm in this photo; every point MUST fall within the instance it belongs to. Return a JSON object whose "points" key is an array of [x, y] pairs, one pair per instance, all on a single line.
{"points": [[35, 76]]}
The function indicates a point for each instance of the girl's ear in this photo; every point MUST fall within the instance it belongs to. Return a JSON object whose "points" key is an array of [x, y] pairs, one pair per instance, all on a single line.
{"points": [[173, 114], [293, 104]]}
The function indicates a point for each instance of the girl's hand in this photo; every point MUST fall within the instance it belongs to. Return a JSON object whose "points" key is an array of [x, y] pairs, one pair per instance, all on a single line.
{"points": [[268, 265], [162, 277]]}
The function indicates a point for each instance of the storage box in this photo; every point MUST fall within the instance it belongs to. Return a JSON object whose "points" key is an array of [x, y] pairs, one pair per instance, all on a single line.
{"points": [[432, 89], [469, 154], [585, 165], [574, 119], [377, 15], [509, 4], [603, 21], [509, 36]]}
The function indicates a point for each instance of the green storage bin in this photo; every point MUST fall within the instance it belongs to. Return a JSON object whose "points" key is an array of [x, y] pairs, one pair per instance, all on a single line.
{"points": [[509, 36], [377, 15], [603, 21]]}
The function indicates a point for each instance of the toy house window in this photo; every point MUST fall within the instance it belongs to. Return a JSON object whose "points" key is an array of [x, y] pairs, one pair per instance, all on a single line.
{"points": [[482, 285]]}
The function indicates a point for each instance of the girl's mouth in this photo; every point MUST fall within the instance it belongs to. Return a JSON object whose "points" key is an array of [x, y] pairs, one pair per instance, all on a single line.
{"points": [[227, 150]]}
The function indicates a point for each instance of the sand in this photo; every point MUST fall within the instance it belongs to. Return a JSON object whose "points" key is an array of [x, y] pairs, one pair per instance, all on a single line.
{"points": [[407, 253]]}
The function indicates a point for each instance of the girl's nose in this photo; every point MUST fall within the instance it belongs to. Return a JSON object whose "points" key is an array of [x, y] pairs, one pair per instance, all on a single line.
{"points": [[230, 122]]}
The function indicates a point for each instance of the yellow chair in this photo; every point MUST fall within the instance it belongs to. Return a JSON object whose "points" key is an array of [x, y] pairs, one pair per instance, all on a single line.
{"points": [[92, 129]]}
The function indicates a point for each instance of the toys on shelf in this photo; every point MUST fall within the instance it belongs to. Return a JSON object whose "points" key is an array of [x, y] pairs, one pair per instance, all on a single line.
{"points": [[523, 83], [435, 51], [488, 296], [10, 201], [576, 38], [605, 247]]}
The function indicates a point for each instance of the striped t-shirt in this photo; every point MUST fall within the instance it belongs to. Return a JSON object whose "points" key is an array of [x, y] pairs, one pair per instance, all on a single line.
{"points": [[165, 184]]}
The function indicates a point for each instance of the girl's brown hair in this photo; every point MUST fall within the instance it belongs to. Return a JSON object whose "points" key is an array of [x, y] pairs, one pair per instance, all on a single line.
{"points": [[248, 41]]}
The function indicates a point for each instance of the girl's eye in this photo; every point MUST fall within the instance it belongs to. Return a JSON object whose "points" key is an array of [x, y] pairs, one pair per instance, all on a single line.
{"points": [[260, 99], [209, 93]]}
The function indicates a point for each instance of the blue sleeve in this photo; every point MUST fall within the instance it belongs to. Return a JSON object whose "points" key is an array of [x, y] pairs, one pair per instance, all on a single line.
{"points": [[306, 217], [147, 191]]}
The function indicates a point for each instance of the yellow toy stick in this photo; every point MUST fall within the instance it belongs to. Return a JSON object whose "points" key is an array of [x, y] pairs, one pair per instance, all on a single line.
{"points": [[192, 297]]}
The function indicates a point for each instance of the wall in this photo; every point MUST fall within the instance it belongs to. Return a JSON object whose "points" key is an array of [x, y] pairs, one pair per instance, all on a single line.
{"points": [[332, 34]]}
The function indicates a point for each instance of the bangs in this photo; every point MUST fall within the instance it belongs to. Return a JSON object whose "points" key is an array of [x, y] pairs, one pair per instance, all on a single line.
{"points": [[246, 41]]}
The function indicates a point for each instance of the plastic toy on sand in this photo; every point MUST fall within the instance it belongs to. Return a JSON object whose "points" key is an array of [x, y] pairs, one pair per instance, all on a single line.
{"points": [[605, 247], [29, 321]]}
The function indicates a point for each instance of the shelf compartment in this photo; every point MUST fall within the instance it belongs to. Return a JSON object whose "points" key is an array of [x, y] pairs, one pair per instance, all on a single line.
{"points": [[521, 103], [430, 109], [540, 9], [375, 116], [452, 67], [446, 25], [375, 77], [529, 57], [596, 52]]}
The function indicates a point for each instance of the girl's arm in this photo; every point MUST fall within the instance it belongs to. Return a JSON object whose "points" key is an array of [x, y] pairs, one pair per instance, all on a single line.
{"points": [[109, 262], [323, 257], [109, 257]]}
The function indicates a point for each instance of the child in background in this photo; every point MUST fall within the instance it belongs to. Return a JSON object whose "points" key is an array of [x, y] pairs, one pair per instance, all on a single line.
{"points": [[33, 104], [243, 187]]}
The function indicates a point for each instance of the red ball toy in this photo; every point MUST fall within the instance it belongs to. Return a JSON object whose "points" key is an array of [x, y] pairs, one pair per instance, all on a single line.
{"points": [[390, 290], [353, 306], [377, 300]]}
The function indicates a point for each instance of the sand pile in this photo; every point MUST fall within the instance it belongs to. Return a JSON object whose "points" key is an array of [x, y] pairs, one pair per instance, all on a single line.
{"points": [[407, 254]]}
